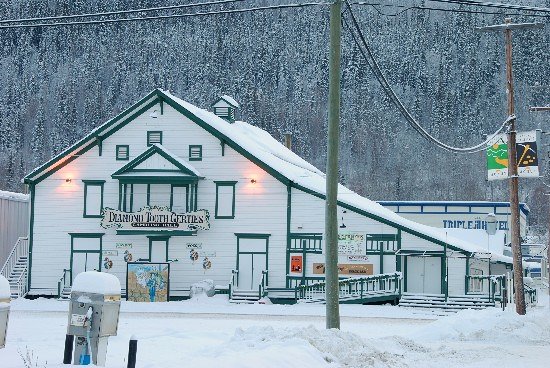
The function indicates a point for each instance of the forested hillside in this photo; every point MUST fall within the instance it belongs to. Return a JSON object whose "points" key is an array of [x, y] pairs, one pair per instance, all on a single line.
{"points": [[56, 84]]}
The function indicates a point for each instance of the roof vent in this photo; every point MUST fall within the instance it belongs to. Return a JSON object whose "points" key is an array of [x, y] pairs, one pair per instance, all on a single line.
{"points": [[225, 108]]}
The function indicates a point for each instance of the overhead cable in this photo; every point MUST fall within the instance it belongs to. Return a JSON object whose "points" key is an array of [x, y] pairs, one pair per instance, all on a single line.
{"points": [[373, 64], [494, 5], [170, 16]]}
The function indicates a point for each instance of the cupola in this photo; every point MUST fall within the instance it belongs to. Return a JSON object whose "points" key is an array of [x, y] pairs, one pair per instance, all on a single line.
{"points": [[225, 107]]}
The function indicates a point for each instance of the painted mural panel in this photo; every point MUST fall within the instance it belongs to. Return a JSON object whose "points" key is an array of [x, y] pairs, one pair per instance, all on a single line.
{"points": [[148, 282]]}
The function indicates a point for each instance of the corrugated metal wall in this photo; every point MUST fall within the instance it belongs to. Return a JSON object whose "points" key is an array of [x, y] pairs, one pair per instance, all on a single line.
{"points": [[14, 221]]}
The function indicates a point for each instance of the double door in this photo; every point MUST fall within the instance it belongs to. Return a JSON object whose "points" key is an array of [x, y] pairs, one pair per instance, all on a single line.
{"points": [[85, 253], [251, 261], [424, 275]]}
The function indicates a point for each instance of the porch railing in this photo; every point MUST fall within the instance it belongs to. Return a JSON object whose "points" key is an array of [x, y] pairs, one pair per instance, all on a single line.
{"points": [[493, 286], [233, 282], [262, 288], [353, 288], [20, 252], [20, 249], [64, 281]]}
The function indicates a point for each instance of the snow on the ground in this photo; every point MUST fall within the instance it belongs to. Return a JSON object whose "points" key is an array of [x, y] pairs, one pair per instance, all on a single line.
{"points": [[210, 332]]}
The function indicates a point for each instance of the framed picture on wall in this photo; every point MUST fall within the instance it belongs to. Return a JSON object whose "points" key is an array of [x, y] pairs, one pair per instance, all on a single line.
{"points": [[147, 282]]}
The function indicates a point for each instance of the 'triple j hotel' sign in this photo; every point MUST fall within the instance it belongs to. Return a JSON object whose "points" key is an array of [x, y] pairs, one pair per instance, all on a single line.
{"points": [[155, 218]]}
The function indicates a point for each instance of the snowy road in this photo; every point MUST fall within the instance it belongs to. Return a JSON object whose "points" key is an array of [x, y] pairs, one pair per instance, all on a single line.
{"points": [[246, 336]]}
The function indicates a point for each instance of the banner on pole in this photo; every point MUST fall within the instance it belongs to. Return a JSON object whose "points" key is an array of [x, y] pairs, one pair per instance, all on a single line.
{"points": [[526, 155]]}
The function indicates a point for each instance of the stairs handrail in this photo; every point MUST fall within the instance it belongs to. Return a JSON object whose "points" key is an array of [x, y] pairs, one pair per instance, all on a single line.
{"points": [[262, 288], [20, 248], [22, 287], [62, 281], [353, 286], [233, 281]]}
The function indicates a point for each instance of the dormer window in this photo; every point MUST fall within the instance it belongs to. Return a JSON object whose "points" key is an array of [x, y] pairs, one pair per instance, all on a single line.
{"points": [[122, 152], [154, 137], [225, 108]]}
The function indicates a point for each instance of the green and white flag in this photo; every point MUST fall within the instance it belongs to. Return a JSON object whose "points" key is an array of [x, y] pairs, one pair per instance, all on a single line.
{"points": [[526, 155]]}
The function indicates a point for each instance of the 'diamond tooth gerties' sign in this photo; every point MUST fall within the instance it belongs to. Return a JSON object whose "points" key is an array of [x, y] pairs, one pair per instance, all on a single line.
{"points": [[155, 218]]}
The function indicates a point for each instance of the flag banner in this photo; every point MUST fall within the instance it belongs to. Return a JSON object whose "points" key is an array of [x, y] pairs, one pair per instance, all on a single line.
{"points": [[497, 157], [526, 155]]}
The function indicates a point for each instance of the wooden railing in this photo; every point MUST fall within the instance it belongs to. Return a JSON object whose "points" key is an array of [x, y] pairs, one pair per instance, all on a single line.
{"points": [[493, 286], [20, 249], [353, 288], [63, 282], [262, 288], [233, 282]]}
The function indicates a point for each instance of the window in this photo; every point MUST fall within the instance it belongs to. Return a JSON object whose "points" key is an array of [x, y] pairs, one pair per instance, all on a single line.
{"points": [[195, 153], [225, 199], [180, 198], [122, 152], [154, 137], [159, 195], [93, 197]]}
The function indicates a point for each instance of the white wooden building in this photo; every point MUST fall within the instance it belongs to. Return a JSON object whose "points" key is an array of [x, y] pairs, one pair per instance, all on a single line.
{"points": [[258, 212]]}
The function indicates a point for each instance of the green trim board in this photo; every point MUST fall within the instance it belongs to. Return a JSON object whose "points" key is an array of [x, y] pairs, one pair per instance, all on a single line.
{"points": [[154, 137], [165, 239], [288, 227], [195, 152], [87, 236], [220, 184], [122, 152], [89, 183], [32, 190]]}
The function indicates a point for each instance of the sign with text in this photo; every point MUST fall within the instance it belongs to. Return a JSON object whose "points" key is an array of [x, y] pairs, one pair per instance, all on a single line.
{"points": [[353, 243], [346, 269], [526, 155], [358, 259], [296, 264], [155, 218]]}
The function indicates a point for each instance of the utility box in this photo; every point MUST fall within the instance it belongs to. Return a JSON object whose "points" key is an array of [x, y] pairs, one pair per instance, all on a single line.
{"points": [[5, 297], [93, 315]]}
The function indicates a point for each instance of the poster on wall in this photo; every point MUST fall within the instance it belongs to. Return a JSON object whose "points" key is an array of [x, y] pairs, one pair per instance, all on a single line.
{"points": [[352, 243], [346, 269], [155, 218], [147, 282], [296, 265]]}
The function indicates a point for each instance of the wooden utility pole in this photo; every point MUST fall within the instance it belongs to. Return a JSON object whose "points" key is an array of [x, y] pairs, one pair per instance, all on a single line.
{"points": [[331, 206], [507, 27]]}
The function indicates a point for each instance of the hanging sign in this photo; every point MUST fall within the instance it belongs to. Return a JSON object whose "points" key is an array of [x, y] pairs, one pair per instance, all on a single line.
{"points": [[358, 258], [155, 218], [526, 155], [346, 269], [353, 243]]}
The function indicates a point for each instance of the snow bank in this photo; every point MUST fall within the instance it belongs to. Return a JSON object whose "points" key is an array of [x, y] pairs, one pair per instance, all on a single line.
{"points": [[96, 282], [4, 288], [491, 324], [14, 196], [202, 288]]}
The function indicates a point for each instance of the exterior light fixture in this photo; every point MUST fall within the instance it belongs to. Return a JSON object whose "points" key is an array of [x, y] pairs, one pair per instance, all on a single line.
{"points": [[253, 181], [154, 114], [491, 220], [67, 180], [343, 226]]}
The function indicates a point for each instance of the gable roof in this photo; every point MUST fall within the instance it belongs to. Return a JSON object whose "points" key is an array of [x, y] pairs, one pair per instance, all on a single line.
{"points": [[261, 148], [156, 149]]}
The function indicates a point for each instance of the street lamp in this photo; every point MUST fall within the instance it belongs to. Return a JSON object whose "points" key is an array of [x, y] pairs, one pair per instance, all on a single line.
{"points": [[491, 220]]}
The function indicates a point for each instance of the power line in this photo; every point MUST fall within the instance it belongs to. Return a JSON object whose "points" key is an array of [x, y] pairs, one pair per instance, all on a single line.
{"points": [[405, 9], [373, 64], [162, 17], [118, 12], [494, 5]]}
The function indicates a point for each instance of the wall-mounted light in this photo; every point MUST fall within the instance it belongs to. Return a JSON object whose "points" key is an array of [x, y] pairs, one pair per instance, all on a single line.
{"points": [[68, 180], [343, 226], [253, 181], [154, 114]]}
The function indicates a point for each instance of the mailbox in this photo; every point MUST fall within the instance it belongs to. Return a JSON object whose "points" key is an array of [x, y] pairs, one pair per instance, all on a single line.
{"points": [[5, 296], [93, 315]]}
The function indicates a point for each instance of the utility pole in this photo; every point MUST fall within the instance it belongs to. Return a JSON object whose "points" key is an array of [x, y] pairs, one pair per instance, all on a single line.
{"points": [[507, 27], [331, 206]]}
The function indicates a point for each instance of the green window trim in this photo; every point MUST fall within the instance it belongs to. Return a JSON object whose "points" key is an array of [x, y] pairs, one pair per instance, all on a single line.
{"points": [[151, 134], [152, 238], [120, 149], [225, 184], [88, 183], [195, 152]]}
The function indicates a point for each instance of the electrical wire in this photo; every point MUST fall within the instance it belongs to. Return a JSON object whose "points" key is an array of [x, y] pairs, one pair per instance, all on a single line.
{"points": [[119, 12], [495, 5], [171, 16], [373, 64]]}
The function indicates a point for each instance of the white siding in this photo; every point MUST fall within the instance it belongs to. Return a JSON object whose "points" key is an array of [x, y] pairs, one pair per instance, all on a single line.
{"points": [[14, 223], [456, 275]]}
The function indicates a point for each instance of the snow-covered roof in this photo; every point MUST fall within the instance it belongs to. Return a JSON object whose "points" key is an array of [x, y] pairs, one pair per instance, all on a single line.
{"points": [[264, 149], [230, 100], [14, 196], [523, 206]]}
